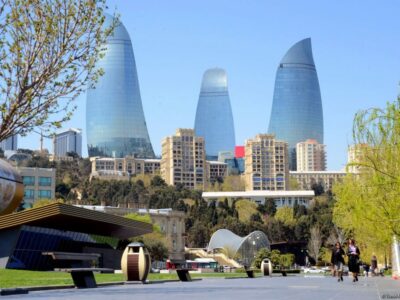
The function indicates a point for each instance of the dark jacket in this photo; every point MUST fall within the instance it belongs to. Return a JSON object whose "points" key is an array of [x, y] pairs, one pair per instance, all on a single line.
{"points": [[337, 256]]}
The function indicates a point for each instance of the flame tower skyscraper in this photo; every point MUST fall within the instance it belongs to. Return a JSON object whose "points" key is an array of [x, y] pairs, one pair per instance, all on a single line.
{"points": [[115, 121], [296, 114], [214, 119]]}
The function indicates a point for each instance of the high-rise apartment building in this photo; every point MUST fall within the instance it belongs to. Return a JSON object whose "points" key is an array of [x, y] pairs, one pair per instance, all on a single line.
{"points": [[266, 163], [214, 119], [296, 113], [184, 159], [68, 141], [10, 143], [354, 156], [115, 121], [311, 156]]}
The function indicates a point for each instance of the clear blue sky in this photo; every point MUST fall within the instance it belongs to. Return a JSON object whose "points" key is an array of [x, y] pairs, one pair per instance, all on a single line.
{"points": [[356, 46]]}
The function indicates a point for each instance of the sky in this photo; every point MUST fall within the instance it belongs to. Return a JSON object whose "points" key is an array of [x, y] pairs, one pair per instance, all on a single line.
{"points": [[355, 46]]}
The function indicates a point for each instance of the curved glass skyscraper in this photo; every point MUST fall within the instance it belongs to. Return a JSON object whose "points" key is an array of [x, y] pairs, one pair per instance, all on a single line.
{"points": [[296, 113], [214, 120], [115, 121]]}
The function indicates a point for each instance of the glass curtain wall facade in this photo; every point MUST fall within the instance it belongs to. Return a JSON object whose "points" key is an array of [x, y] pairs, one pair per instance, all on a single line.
{"points": [[214, 119], [115, 121], [296, 113]]}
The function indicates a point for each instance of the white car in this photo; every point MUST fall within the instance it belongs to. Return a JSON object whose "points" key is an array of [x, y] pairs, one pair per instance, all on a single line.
{"points": [[313, 270]]}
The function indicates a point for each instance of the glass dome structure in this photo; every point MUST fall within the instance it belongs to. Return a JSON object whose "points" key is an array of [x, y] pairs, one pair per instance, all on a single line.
{"points": [[243, 249]]}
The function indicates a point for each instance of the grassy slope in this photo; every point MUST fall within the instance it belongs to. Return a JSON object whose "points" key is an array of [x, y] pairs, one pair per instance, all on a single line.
{"points": [[18, 278]]}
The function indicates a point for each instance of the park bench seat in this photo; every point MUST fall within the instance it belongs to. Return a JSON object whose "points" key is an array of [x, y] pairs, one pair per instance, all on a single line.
{"points": [[184, 274], [83, 277]]}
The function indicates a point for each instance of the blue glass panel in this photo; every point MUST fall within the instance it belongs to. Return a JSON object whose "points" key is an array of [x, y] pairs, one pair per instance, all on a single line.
{"points": [[296, 113], [115, 120], [214, 119]]}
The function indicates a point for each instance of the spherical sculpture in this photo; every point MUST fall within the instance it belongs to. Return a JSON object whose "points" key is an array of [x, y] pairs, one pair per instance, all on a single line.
{"points": [[135, 262], [266, 267], [11, 188]]}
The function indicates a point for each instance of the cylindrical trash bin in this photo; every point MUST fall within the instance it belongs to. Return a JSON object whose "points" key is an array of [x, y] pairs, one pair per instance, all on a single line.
{"points": [[266, 267], [11, 188], [135, 262]]}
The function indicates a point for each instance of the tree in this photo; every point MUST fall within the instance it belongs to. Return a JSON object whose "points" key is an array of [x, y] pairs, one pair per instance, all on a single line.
{"points": [[49, 51], [315, 242], [261, 254], [367, 202]]}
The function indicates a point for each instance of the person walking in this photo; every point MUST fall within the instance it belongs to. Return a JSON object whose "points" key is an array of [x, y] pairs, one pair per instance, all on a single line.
{"points": [[374, 265], [353, 252], [337, 261]]}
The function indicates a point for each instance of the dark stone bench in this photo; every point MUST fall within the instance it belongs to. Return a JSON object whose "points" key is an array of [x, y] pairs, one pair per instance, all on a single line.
{"points": [[250, 273], [184, 274], [82, 277]]}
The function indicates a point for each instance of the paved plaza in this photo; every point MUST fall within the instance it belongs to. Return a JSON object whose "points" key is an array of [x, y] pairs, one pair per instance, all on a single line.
{"points": [[291, 287]]}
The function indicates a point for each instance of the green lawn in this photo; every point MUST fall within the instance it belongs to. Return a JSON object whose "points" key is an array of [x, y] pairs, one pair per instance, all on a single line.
{"points": [[18, 278]]}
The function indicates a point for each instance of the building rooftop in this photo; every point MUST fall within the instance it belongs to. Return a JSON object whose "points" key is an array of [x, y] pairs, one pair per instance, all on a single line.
{"points": [[267, 194], [71, 218]]}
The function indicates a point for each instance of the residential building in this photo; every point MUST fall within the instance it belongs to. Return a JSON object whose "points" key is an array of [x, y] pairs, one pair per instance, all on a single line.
{"points": [[10, 143], [281, 198], [266, 163], [214, 119], [39, 183], [296, 113], [171, 223], [67, 141], [354, 153], [216, 171], [115, 121], [123, 168], [311, 156], [184, 159], [327, 179]]}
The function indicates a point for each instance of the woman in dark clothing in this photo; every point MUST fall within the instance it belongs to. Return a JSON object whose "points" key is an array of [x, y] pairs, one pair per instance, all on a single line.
{"points": [[354, 255], [337, 260]]}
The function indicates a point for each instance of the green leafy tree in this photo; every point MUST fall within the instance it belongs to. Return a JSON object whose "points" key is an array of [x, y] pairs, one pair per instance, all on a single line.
{"points": [[48, 55], [367, 202], [261, 254]]}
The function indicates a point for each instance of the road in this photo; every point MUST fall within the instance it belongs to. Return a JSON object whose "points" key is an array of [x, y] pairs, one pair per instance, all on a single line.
{"points": [[291, 287]]}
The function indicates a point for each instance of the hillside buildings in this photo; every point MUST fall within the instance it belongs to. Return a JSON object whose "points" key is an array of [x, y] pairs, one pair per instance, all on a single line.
{"points": [[311, 156], [214, 119], [67, 141], [296, 113], [123, 168], [9, 144], [39, 183], [308, 179], [115, 121], [184, 159], [266, 164]]}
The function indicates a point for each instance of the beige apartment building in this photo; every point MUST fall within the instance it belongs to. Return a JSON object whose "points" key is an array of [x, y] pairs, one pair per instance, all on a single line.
{"points": [[184, 159], [123, 168], [216, 170], [326, 179], [311, 156], [266, 164], [39, 183], [171, 222], [354, 153]]}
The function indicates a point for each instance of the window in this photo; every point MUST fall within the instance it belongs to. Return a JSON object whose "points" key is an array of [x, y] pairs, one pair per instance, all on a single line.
{"points": [[28, 180], [44, 194], [44, 181], [29, 194]]}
